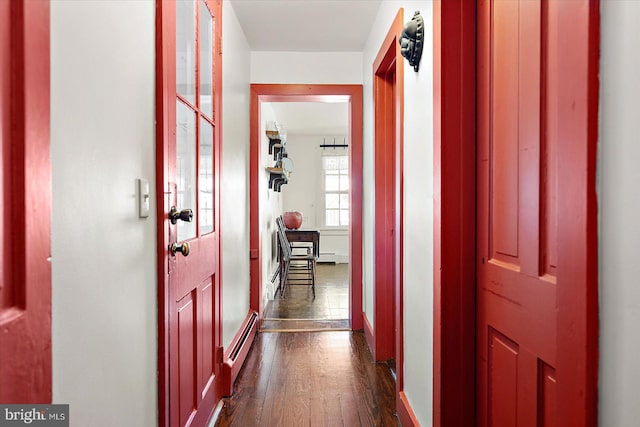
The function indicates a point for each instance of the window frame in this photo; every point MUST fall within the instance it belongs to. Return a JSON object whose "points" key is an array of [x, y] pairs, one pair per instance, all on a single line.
{"points": [[325, 192]]}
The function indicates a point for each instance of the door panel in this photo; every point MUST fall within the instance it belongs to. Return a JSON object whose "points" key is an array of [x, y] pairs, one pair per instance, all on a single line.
{"points": [[516, 295], [25, 203], [503, 380], [187, 348]]}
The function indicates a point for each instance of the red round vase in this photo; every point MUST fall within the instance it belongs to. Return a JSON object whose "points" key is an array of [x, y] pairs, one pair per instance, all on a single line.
{"points": [[292, 219]]}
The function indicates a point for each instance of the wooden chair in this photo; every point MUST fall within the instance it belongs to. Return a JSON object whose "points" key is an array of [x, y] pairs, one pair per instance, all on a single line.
{"points": [[292, 266]]}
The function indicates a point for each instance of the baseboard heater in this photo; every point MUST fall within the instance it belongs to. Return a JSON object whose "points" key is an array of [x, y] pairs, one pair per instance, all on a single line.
{"points": [[237, 352], [328, 257]]}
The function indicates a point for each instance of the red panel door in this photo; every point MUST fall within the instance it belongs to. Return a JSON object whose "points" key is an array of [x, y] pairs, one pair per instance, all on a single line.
{"points": [[517, 213], [25, 203], [190, 161]]}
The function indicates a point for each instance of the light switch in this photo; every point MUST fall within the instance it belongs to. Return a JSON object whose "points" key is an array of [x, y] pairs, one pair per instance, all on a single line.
{"points": [[143, 198]]}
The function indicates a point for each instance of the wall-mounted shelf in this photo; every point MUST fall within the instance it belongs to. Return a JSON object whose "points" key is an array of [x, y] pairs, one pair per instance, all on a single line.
{"points": [[280, 173]]}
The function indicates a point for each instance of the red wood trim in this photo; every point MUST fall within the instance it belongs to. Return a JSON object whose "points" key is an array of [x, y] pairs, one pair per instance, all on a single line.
{"points": [[25, 352], [231, 367], [368, 332], [255, 235], [308, 93], [355, 203], [163, 101], [388, 196], [454, 213], [577, 291], [216, 9], [405, 413]]}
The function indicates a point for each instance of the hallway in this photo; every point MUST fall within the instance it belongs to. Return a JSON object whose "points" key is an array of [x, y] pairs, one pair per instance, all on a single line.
{"points": [[98, 97], [311, 378]]}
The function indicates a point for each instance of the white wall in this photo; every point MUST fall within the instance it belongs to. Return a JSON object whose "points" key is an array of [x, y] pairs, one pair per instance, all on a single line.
{"points": [[619, 210], [418, 204], [234, 185], [304, 192], [104, 265], [306, 67], [270, 209]]}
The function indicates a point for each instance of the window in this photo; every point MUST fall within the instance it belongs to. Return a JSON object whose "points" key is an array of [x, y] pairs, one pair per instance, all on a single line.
{"points": [[336, 190]]}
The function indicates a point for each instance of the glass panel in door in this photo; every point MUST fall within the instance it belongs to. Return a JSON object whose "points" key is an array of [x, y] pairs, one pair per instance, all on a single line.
{"points": [[205, 197], [186, 50], [206, 58], [186, 167]]}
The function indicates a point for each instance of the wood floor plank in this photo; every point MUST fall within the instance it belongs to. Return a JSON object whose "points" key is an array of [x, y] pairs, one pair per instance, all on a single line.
{"points": [[331, 301], [311, 379]]}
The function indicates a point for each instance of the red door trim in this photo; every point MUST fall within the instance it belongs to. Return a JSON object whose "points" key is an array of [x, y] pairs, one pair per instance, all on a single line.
{"points": [[388, 117], [165, 46], [309, 93], [388, 100], [25, 306], [454, 116], [577, 294]]}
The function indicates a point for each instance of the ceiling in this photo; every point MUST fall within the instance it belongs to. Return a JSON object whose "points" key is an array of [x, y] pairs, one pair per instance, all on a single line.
{"points": [[306, 25], [313, 118]]}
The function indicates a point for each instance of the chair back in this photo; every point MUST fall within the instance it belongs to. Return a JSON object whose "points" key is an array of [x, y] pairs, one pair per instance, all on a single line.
{"points": [[283, 242]]}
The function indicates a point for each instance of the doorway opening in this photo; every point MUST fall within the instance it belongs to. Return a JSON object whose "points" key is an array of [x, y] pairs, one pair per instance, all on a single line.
{"points": [[263, 98], [314, 139]]}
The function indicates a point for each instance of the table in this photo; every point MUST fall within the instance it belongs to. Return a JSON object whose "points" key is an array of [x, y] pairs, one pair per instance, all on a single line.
{"points": [[312, 236]]}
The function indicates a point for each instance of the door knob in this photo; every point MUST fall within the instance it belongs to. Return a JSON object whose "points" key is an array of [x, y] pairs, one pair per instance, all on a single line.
{"points": [[185, 215], [183, 248]]}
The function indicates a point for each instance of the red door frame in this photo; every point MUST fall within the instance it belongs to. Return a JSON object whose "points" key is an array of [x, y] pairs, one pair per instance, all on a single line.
{"points": [[386, 337], [25, 301], [309, 93], [165, 132], [388, 104], [454, 214], [454, 117]]}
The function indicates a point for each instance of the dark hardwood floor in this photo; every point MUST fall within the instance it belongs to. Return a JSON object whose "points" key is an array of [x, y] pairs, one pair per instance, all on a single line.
{"points": [[311, 379], [298, 310]]}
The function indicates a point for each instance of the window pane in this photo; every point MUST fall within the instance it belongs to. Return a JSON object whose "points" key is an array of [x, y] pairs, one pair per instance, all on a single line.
{"points": [[332, 217], [344, 217], [186, 49], [329, 162], [331, 182], [344, 182], [205, 184], [332, 201], [344, 162], [206, 57], [344, 201], [186, 167]]}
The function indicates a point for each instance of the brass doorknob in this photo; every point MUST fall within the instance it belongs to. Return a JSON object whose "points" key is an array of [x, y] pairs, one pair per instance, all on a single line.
{"points": [[185, 215], [183, 248]]}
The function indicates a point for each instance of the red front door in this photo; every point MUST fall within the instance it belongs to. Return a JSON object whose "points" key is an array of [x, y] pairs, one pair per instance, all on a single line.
{"points": [[520, 366], [25, 203], [190, 117]]}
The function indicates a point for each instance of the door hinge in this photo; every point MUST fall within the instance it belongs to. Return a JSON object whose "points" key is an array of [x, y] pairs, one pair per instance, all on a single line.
{"points": [[220, 354]]}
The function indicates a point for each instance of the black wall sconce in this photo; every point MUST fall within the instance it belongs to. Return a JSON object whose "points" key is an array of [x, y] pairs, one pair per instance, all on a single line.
{"points": [[412, 39]]}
